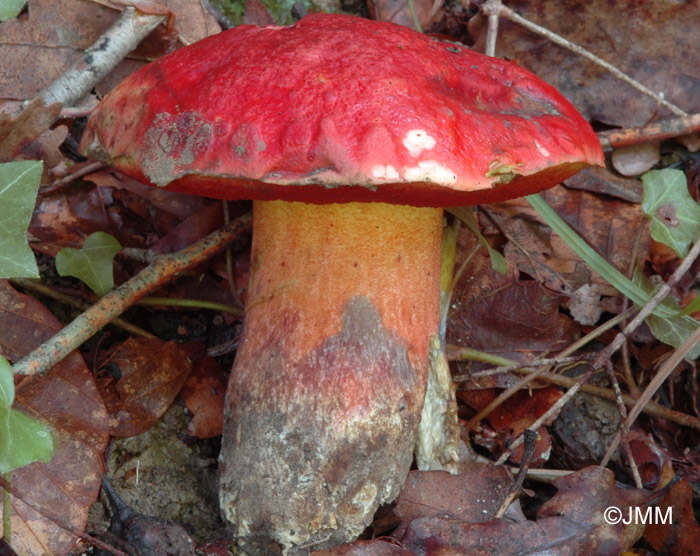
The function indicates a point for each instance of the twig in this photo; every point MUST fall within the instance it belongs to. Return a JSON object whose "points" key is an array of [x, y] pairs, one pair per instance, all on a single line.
{"points": [[114, 303], [624, 429], [494, 8], [37, 287], [658, 131], [457, 353], [645, 399], [130, 28], [519, 366], [605, 355], [503, 396], [58, 521], [87, 169], [648, 309], [530, 437]]}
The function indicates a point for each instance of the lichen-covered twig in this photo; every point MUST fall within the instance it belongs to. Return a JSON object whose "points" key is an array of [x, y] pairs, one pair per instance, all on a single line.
{"points": [[130, 28]]}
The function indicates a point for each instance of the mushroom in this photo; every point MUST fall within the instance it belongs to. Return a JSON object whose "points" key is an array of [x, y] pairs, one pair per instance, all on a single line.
{"points": [[350, 136]]}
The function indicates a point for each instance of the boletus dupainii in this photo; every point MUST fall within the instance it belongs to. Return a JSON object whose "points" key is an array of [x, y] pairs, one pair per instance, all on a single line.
{"points": [[350, 136]]}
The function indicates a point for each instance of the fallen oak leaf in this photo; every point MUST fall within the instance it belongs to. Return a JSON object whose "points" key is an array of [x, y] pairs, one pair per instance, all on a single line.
{"points": [[28, 135]]}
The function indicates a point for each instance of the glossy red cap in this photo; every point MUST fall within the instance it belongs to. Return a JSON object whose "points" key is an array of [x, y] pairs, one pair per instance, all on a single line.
{"points": [[337, 108]]}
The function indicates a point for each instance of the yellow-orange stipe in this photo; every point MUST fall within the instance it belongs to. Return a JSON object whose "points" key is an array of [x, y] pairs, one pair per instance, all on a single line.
{"points": [[327, 388]]}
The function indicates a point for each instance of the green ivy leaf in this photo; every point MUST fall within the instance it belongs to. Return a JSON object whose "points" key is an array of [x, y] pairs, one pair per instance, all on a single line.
{"points": [[670, 330], [19, 183], [92, 263], [675, 216], [9, 9], [23, 439]]}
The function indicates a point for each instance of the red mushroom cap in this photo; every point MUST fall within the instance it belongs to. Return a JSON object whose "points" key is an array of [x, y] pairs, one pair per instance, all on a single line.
{"points": [[311, 111]]}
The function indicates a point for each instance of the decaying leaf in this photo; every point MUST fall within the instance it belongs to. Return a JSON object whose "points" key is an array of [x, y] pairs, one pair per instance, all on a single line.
{"points": [[65, 399], [570, 524], [140, 380], [654, 43]]}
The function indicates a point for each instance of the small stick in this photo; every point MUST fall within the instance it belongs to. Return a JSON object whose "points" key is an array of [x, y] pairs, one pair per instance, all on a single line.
{"points": [[37, 287], [130, 28], [496, 7], [624, 429], [530, 437], [658, 131], [84, 171], [117, 301]]}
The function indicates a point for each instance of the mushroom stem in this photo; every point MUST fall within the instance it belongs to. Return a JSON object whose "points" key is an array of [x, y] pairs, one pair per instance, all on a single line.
{"points": [[328, 384]]}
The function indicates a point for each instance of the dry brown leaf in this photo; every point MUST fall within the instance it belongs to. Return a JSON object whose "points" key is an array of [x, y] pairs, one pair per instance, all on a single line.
{"points": [[68, 401], [39, 45], [139, 380], [505, 315], [65, 218], [681, 537], [608, 225], [473, 496], [654, 42], [27, 136], [570, 524], [256, 14], [600, 180]]}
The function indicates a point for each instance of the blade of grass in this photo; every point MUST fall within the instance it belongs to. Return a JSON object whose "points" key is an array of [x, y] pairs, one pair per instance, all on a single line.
{"points": [[613, 276]]}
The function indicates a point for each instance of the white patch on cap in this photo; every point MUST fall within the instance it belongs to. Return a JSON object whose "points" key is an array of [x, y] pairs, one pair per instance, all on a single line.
{"points": [[416, 141], [387, 172], [430, 170], [544, 152]]}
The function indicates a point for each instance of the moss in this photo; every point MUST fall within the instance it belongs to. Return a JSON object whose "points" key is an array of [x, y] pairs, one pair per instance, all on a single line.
{"points": [[280, 10]]}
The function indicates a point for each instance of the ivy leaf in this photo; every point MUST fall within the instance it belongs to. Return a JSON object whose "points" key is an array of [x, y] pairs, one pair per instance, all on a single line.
{"points": [[9, 9], [23, 439], [92, 263], [19, 183], [675, 216], [670, 330]]}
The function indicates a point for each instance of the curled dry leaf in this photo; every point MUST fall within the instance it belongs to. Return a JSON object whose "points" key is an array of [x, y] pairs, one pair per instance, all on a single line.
{"points": [[636, 159], [66, 399], [27, 136], [139, 381], [570, 524]]}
